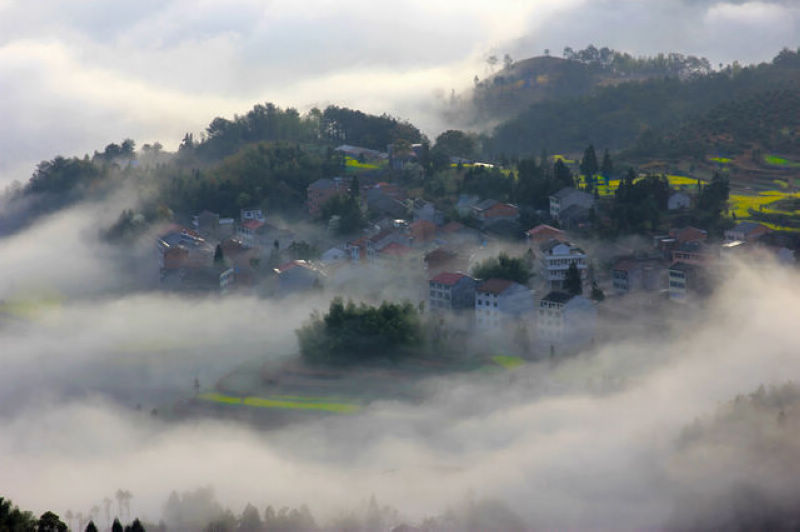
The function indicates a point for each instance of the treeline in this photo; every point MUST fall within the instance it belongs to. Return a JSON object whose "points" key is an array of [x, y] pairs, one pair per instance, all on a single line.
{"points": [[12, 519], [671, 64], [350, 333], [268, 122], [616, 116], [271, 175]]}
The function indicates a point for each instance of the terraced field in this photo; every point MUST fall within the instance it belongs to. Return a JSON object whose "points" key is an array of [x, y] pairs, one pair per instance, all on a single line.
{"points": [[284, 402], [776, 160]]}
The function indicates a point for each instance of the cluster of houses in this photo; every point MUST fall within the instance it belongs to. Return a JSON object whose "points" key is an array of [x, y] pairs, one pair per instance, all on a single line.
{"points": [[216, 253], [411, 234], [688, 264], [500, 305]]}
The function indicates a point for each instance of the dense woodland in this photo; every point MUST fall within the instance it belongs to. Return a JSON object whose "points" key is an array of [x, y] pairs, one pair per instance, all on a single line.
{"points": [[629, 114]]}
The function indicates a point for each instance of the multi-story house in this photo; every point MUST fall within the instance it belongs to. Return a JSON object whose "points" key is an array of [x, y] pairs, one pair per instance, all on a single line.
{"points": [[566, 198], [557, 257], [499, 301], [451, 291], [564, 319]]}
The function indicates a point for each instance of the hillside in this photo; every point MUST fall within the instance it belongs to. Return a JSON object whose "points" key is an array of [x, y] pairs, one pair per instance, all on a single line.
{"points": [[520, 84], [620, 116]]}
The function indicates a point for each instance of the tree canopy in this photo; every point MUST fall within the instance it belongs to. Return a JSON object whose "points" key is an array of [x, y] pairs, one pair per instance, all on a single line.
{"points": [[503, 267], [350, 333]]}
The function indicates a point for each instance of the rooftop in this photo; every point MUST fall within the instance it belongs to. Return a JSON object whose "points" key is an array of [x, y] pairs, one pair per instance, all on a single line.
{"points": [[495, 286], [448, 279], [557, 297]]}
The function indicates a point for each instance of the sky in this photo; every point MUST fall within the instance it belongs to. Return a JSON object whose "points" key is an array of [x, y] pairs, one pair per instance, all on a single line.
{"points": [[77, 75]]}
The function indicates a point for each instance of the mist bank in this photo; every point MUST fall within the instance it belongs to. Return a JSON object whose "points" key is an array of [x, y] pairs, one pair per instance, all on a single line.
{"points": [[590, 442]]}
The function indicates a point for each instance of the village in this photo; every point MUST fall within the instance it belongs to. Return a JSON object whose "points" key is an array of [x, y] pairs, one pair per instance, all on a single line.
{"points": [[410, 249]]}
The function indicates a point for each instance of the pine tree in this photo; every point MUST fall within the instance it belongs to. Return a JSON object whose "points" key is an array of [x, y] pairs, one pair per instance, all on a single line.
{"points": [[589, 166], [607, 168]]}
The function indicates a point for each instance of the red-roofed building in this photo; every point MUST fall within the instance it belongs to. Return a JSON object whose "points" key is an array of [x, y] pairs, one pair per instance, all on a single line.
{"points": [[422, 231], [396, 250], [544, 233], [451, 227], [688, 234], [451, 291], [631, 274]]}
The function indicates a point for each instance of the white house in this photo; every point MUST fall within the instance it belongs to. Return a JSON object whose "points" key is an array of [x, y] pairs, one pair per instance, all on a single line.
{"points": [[498, 301], [251, 213], [567, 197], [334, 255], [557, 257], [564, 319], [678, 201]]}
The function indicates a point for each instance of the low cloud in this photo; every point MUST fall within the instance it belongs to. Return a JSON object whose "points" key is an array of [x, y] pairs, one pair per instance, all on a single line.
{"points": [[589, 442]]}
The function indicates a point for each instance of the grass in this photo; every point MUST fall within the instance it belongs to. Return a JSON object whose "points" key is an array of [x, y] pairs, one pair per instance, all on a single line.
{"points": [[774, 160], [285, 402], [563, 159], [721, 160], [508, 362]]}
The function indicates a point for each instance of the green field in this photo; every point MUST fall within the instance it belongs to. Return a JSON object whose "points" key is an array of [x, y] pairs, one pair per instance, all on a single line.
{"points": [[286, 402], [775, 160], [508, 362], [355, 164], [720, 160], [608, 187], [768, 202]]}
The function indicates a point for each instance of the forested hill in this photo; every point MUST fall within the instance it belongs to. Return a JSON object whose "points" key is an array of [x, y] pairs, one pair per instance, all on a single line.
{"points": [[517, 85], [616, 117], [267, 156]]}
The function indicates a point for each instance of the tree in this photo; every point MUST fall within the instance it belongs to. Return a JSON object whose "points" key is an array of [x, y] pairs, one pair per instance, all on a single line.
{"points": [[219, 257], [503, 267], [562, 174], [136, 526], [573, 284], [50, 522], [13, 519], [117, 526], [91, 527], [507, 62], [456, 143], [607, 168], [250, 520], [589, 166], [597, 293]]}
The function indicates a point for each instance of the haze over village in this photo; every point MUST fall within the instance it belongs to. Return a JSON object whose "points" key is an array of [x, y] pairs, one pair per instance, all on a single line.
{"points": [[305, 267]]}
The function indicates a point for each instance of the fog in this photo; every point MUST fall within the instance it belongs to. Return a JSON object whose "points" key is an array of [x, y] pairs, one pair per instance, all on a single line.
{"points": [[76, 76], [587, 442]]}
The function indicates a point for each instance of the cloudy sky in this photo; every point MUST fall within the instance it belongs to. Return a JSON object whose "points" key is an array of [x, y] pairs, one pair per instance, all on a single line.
{"points": [[77, 75]]}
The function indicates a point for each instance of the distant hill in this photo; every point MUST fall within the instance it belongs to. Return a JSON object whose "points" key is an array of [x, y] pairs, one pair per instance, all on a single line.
{"points": [[646, 113], [518, 85]]}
